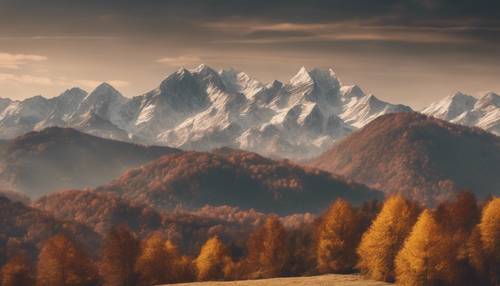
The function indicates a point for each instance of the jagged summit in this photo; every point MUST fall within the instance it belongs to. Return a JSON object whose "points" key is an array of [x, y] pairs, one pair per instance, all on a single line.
{"points": [[203, 108], [467, 110]]}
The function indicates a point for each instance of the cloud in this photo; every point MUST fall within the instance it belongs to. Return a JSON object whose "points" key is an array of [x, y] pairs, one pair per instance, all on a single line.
{"points": [[14, 61], [89, 83], [180, 60], [25, 79], [242, 32]]}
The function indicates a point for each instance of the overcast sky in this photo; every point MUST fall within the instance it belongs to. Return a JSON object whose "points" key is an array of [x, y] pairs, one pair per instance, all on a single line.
{"points": [[410, 52]]}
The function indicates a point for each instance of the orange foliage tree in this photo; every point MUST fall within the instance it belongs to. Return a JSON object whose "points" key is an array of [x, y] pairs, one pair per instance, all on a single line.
{"points": [[18, 271], [427, 255], [338, 236], [385, 237], [267, 250], [489, 229], [213, 262], [118, 258], [61, 262], [153, 265]]}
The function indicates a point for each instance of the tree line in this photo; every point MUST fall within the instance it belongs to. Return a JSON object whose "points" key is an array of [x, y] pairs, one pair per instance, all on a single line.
{"points": [[455, 243]]}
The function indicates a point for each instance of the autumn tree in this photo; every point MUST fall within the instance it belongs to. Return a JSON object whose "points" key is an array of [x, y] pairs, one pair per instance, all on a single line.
{"points": [[457, 219], [460, 215], [18, 271], [301, 244], [61, 262], [180, 266], [489, 229], [385, 237], [153, 262], [426, 257], [476, 257], [213, 260], [267, 250], [338, 237], [118, 257]]}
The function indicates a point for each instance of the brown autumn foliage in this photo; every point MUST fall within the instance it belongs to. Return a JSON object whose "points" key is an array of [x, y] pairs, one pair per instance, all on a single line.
{"points": [[153, 262], [457, 219], [268, 253], [451, 245], [24, 227], [338, 236], [118, 257], [18, 271], [102, 211], [424, 158], [385, 237], [192, 180], [62, 263]]}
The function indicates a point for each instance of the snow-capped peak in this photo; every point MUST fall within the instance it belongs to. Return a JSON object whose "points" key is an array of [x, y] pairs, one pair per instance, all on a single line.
{"points": [[451, 106], [489, 99], [302, 77], [467, 110], [203, 109], [240, 82]]}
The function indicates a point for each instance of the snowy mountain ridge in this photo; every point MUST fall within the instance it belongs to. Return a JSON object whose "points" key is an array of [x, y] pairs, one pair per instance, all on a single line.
{"points": [[459, 108], [203, 109]]}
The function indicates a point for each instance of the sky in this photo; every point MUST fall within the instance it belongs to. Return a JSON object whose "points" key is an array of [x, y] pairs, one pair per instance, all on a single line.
{"points": [[410, 52]]}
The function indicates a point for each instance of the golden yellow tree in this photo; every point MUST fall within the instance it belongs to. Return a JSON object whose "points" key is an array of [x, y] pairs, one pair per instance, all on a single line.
{"points": [[267, 250], [338, 237], [153, 263], [385, 237], [426, 257], [180, 265], [118, 258], [212, 261], [61, 262], [17, 271], [489, 229], [476, 258]]}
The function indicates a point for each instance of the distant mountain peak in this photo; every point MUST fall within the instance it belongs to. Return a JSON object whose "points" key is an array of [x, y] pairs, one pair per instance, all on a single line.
{"points": [[203, 109], [302, 77], [467, 110]]}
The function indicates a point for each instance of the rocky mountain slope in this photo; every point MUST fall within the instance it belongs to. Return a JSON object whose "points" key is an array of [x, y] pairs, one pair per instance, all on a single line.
{"points": [[202, 109], [422, 157], [58, 158]]}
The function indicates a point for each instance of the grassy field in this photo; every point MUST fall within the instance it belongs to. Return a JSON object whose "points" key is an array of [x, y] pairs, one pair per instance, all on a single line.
{"points": [[323, 280]]}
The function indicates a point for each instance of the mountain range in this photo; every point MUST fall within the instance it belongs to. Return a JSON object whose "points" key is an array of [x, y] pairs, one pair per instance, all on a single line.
{"points": [[421, 157], [202, 109], [483, 112]]}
